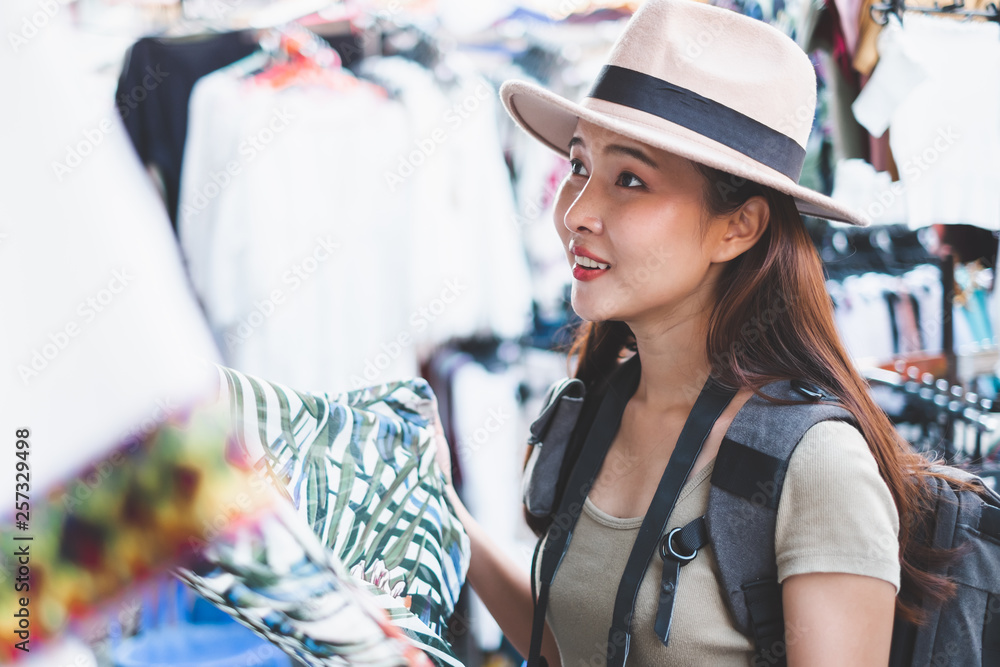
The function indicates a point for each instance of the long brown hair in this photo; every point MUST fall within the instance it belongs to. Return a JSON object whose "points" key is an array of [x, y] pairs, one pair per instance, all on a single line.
{"points": [[773, 320]]}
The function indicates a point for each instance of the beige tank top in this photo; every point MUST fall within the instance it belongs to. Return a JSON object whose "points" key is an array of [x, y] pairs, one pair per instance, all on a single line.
{"points": [[835, 515]]}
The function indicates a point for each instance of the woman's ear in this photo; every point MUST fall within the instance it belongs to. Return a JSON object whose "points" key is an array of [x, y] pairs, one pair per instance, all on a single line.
{"points": [[743, 228]]}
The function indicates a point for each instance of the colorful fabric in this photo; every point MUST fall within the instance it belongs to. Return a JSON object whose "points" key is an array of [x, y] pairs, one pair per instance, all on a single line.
{"points": [[360, 469], [122, 521], [276, 578]]}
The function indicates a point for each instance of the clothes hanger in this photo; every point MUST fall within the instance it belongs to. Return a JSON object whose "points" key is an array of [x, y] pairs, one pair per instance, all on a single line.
{"points": [[297, 56]]}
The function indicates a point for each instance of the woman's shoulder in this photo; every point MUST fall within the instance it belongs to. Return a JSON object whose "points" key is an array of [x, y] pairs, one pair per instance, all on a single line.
{"points": [[832, 460], [830, 445], [836, 513]]}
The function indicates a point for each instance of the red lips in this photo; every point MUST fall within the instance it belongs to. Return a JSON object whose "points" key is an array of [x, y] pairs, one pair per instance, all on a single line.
{"points": [[582, 252], [584, 273]]}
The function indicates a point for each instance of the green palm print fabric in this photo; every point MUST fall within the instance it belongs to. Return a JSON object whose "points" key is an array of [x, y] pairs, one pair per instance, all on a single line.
{"points": [[274, 576], [360, 469]]}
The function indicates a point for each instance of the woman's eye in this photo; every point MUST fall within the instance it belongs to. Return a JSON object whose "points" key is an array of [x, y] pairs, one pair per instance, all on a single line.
{"points": [[576, 167], [630, 180]]}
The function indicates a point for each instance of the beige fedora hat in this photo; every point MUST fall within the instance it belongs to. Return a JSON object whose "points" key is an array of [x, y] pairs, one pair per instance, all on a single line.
{"points": [[705, 83]]}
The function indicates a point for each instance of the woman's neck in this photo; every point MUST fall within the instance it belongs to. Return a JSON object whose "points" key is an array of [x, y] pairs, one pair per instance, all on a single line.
{"points": [[675, 364]]}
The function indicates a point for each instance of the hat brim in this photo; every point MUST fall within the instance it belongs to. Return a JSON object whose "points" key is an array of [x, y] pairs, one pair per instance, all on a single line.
{"points": [[551, 119]]}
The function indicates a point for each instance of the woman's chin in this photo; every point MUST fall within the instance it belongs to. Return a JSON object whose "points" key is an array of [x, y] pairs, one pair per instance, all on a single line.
{"points": [[590, 311]]}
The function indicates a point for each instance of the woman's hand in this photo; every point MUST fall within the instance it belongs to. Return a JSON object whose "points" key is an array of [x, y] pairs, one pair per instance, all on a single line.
{"points": [[442, 452]]}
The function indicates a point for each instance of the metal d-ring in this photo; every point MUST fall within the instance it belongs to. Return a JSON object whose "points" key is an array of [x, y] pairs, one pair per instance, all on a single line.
{"points": [[667, 549]]}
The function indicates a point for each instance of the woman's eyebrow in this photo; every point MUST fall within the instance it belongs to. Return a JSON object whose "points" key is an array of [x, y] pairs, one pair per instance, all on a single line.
{"points": [[633, 153], [621, 150]]}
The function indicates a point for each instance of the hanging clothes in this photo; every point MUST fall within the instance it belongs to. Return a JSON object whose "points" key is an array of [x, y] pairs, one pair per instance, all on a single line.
{"points": [[867, 51], [290, 195], [153, 93], [289, 234], [489, 445], [472, 277], [932, 72]]}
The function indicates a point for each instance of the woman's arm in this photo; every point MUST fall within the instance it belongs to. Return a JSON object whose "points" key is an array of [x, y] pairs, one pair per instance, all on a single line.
{"points": [[834, 619], [503, 587]]}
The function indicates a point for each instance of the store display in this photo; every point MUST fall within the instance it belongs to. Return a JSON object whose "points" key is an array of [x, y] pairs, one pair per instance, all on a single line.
{"points": [[320, 202]]}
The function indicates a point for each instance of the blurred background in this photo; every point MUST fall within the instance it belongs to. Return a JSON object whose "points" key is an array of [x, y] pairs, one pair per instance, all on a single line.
{"points": [[329, 195]]}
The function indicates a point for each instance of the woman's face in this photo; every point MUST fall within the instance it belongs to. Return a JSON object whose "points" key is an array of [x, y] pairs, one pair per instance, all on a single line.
{"points": [[633, 221]]}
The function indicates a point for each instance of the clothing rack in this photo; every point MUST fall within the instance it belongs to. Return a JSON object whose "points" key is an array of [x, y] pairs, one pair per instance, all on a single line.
{"points": [[939, 408], [880, 12], [894, 250], [889, 249]]}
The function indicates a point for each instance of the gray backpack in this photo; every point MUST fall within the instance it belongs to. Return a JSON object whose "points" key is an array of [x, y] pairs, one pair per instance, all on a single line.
{"points": [[740, 523]]}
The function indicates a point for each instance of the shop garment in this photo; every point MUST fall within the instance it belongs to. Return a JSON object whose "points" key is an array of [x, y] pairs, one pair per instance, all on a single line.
{"points": [[866, 54], [461, 211], [360, 469], [931, 73], [487, 407], [275, 578], [98, 316], [394, 213], [153, 93], [835, 515], [881, 316], [121, 521], [489, 445], [299, 255], [859, 185], [863, 317]]}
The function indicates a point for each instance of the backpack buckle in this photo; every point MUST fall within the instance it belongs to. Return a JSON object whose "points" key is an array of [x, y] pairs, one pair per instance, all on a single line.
{"points": [[808, 389], [668, 550]]}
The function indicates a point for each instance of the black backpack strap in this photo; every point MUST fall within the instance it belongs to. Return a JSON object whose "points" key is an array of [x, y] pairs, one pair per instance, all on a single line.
{"points": [[622, 385], [677, 548], [742, 511], [710, 404]]}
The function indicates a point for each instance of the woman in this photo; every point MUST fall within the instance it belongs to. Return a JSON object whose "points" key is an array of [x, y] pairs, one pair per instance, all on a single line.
{"points": [[680, 219]]}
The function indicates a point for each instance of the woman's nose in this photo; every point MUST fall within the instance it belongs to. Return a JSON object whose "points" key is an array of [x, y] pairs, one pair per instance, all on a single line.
{"points": [[585, 214]]}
